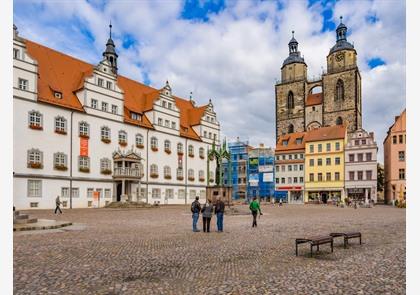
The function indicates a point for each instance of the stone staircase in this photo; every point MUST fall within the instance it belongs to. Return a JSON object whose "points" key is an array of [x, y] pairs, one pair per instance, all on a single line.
{"points": [[19, 218]]}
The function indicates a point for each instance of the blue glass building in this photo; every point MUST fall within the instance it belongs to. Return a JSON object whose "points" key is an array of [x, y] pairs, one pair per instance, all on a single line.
{"points": [[260, 172]]}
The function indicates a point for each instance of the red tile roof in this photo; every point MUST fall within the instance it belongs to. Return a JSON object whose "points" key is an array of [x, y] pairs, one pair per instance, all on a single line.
{"points": [[291, 142], [326, 133], [58, 72], [314, 99]]}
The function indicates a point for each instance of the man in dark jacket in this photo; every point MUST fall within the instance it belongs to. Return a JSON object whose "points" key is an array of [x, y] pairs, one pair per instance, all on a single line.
{"points": [[220, 211], [195, 210], [57, 205], [207, 211]]}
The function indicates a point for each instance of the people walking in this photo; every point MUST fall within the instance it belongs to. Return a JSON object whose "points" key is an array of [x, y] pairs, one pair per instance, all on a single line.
{"points": [[220, 211], [207, 211], [57, 205], [255, 208], [195, 210]]}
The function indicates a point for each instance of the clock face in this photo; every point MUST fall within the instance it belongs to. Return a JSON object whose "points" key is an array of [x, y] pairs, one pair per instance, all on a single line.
{"points": [[339, 57]]}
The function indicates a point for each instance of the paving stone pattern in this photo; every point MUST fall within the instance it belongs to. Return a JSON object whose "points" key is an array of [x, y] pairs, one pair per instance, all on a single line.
{"points": [[154, 251]]}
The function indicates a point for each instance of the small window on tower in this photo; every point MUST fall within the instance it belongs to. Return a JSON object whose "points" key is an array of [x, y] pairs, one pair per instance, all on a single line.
{"points": [[58, 95]]}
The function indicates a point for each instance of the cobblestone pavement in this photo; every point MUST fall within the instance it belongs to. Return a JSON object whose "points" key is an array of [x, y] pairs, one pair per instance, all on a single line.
{"points": [[154, 251]]}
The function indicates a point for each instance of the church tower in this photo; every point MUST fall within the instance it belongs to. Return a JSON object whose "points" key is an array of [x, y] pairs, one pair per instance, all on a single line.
{"points": [[290, 92], [342, 84], [110, 53]]}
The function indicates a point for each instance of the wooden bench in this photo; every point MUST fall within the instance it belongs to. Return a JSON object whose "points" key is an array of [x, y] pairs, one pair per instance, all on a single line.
{"points": [[347, 236], [315, 241]]}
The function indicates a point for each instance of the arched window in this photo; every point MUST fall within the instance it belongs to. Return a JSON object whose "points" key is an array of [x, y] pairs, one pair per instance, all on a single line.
{"points": [[60, 125], [83, 129], [105, 134], [190, 151], [139, 140], [190, 174], [290, 129], [34, 158], [122, 137], [201, 153], [290, 100], [35, 120], [154, 171], [179, 174], [167, 172], [167, 146], [339, 121], [201, 175], [154, 143], [180, 148], [339, 90]]}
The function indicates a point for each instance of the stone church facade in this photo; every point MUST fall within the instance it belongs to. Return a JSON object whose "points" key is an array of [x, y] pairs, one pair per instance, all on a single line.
{"points": [[303, 104]]}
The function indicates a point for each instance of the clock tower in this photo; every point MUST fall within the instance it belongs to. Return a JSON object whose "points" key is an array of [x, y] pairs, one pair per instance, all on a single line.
{"points": [[342, 84]]}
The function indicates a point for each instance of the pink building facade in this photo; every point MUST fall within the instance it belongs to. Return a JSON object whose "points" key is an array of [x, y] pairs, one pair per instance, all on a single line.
{"points": [[394, 159]]}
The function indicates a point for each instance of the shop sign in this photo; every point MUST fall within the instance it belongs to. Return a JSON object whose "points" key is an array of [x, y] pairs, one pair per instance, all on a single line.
{"points": [[265, 168], [268, 177]]}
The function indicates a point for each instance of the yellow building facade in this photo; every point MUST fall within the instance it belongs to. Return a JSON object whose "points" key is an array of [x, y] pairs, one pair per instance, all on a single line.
{"points": [[324, 164]]}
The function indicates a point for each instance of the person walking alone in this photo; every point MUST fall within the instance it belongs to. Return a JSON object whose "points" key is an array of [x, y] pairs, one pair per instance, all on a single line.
{"points": [[255, 207], [57, 205], [207, 211], [195, 210], [220, 211]]}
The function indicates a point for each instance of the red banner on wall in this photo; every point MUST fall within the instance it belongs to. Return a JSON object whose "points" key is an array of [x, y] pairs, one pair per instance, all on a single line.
{"points": [[84, 146]]}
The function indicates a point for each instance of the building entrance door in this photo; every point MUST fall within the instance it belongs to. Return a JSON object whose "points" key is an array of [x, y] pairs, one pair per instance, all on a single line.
{"points": [[324, 198], [119, 191]]}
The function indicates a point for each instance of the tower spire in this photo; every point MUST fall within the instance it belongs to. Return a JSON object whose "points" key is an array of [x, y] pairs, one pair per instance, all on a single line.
{"points": [[110, 29], [109, 52]]}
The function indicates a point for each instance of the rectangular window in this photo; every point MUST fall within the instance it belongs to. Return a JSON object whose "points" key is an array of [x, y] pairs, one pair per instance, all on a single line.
{"points": [[337, 146], [359, 175], [301, 179], [319, 162], [311, 148], [363, 141], [23, 84], [296, 156], [401, 138], [289, 167], [164, 103], [34, 204], [290, 157], [15, 53], [160, 121], [114, 109], [277, 168], [356, 142], [283, 180], [284, 157], [283, 168], [107, 193], [156, 193], [173, 125], [100, 82], [193, 194], [402, 174], [401, 155], [368, 175], [319, 176], [351, 175], [289, 180], [301, 156], [328, 176], [93, 103], [167, 123], [319, 148], [301, 167], [295, 167], [89, 193], [295, 179], [394, 139], [277, 180], [169, 105], [65, 192], [311, 177], [351, 157], [328, 147], [104, 107], [337, 161], [108, 84], [368, 156], [337, 176], [181, 194], [75, 192], [311, 162], [328, 161], [83, 162], [360, 157], [169, 193]]}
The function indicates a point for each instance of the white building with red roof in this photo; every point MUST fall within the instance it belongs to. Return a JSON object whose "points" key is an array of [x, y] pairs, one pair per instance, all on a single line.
{"points": [[92, 136]]}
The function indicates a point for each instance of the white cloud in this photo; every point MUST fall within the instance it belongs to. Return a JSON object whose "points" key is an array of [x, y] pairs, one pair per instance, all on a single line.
{"points": [[235, 57]]}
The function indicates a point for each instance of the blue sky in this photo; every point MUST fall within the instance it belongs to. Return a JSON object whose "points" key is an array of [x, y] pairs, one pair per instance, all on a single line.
{"points": [[231, 51]]}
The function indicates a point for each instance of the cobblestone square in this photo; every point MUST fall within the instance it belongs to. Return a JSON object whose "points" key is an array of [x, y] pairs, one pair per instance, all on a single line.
{"points": [[154, 251]]}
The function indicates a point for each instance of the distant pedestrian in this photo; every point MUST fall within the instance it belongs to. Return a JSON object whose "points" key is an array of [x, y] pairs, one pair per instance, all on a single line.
{"points": [[280, 202], [195, 210], [57, 205], [220, 211], [207, 211], [273, 201], [255, 208]]}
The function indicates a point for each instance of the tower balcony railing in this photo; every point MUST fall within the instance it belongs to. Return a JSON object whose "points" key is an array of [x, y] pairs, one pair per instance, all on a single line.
{"points": [[126, 172], [340, 69]]}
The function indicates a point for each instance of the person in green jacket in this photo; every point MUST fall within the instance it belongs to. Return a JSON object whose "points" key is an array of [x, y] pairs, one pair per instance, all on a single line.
{"points": [[255, 207]]}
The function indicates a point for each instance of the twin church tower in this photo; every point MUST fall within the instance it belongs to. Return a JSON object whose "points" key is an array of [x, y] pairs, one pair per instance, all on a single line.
{"points": [[303, 104]]}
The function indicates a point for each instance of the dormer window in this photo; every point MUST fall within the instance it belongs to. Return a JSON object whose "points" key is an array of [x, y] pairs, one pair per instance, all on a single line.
{"points": [[108, 84], [284, 142], [100, 82], [298, 140], [135, 116], [58, 95]]}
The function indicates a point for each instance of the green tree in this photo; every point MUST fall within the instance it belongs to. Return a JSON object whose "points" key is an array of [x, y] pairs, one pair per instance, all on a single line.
{"points": [[381, 178]]}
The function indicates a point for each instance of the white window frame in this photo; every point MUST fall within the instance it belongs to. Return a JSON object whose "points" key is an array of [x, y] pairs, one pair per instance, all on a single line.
{"points": [[154, 142], [105, 132], [94, 103], [191, 150], [167, 145], [60, 124], [100, 82], [104, 106], [201, 152], [108, 84], [105, 164], [107, 193], [190, 173], [84, 162], [167, 171], [60, 159], [83, 128], [23, 84], [74, 192], [35, 156], [154, 169], [167, 123], [122, 136], [34, 188], [180, 147], [139, 139], [114, 109], [193, 193], [181, 193], [65, 192], [156, 194], [35, 118], [89, 192], [160, 121]]}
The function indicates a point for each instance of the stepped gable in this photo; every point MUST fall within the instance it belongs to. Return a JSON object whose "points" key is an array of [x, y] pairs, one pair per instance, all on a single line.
{"points": [[58, 72]]}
